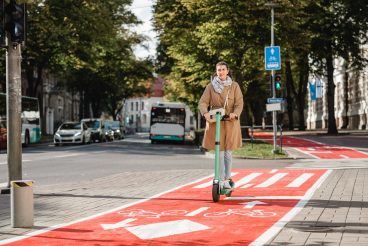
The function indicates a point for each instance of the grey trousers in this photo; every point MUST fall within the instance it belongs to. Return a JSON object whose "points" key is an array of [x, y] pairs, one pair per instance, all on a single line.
{"points": [[226, 162]]}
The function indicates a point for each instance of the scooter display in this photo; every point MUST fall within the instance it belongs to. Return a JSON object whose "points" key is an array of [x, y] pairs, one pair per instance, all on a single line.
{"points": [[218, 184]]}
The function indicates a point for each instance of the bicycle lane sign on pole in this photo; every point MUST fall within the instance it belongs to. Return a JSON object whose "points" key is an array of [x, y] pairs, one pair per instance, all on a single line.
{"points": [[187, 215]]}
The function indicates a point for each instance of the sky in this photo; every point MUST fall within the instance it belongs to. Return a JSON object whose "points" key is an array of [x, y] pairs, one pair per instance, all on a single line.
{"points": [[143, 10]]}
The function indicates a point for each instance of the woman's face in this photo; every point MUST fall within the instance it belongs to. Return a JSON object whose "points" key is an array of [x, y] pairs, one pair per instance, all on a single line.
{"points": [[222, 71]]}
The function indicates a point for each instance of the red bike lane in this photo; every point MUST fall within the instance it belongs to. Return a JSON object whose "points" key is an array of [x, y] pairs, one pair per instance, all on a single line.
{"points": [[263, 201], [313, 148]]}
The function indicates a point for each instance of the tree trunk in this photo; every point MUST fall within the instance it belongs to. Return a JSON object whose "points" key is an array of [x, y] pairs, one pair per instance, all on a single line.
{"points": [[302, 89], [332, 129], [289, 98]]}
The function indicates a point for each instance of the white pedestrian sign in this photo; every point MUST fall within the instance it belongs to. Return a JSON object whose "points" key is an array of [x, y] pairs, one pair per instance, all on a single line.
{"points": [[272, 58]]}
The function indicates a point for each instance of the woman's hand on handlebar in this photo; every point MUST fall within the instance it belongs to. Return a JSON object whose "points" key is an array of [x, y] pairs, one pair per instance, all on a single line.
{"points": [[207, 116], [233, 116]]}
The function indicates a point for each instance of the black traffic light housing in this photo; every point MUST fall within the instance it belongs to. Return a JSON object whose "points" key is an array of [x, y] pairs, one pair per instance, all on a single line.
{"points": [[278, 82], [15, 21], [2, 22]]}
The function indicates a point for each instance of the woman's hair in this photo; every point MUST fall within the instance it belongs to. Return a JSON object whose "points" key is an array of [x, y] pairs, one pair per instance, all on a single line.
{"points": [[222, 63]]}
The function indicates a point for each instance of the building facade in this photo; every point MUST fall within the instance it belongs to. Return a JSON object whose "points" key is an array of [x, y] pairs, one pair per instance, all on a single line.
{"points": [[351, 98]]}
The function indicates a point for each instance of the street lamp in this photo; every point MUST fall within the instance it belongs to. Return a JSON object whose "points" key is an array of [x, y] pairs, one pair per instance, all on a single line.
{"points": [[273, 5]]}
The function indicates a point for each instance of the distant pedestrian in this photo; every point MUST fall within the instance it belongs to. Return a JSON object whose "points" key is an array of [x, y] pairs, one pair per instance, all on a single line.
{"points": [[223, 92]]}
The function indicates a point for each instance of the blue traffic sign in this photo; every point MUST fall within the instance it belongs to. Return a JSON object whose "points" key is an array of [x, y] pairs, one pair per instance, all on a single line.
{"points": [[275, 100], [272, 58]]}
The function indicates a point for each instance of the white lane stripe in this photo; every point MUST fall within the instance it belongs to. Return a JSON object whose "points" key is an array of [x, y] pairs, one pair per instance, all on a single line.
{"points": [[235, 198], [5, 163], [247, 179], [197, 211], [274, 170], [272, 180], [246, 186], [345, 157], [69, 155], [300, 180], [209, 183], [276, 228]]}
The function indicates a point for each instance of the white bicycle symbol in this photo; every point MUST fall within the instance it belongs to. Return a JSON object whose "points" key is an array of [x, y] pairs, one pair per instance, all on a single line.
{"points": [[149, 214], [243, 212]]}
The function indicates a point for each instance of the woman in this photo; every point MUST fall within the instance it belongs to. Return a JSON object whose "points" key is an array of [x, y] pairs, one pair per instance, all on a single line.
{"points": [[221, 88]]}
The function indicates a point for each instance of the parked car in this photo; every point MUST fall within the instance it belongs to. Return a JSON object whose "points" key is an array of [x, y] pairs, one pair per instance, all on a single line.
{"points": [[117, 127], [97, 127], [72, 132], [109, 134]]}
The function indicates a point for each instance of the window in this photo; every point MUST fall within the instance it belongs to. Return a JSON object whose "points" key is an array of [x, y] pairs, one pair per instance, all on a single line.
{"points": [[142, 105], [131, 106], [136, 106]]}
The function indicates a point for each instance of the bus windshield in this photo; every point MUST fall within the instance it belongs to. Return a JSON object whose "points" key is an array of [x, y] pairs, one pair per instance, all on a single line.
{"points": [[168, 115]]}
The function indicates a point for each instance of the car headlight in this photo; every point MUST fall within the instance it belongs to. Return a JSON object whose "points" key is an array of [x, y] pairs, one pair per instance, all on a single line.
{"points": [[77, 134], [57, 135], [117, 130]]}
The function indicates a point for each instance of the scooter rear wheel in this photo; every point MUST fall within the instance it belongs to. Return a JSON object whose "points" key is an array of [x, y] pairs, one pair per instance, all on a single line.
{"points": [[215, 192]]}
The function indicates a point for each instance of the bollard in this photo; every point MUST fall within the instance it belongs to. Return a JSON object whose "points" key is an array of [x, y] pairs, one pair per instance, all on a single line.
{"points": [[21, 203]]}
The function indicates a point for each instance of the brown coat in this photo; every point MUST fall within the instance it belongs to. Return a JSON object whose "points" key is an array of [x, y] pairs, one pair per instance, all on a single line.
{"points": [[230, 136]]}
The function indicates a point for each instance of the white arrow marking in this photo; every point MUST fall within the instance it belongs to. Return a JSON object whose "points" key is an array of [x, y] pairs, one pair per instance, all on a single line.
{"points": [[252, 204], [121, 224], [164, 229]]}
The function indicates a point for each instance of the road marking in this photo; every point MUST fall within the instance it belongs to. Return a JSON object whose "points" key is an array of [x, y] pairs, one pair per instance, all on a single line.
{"points": [[163, 229], [197, 211], [272, 180], [6, 163], [274, 170], [209, 183], [246, 186], [345, 157], [252, 204], [69, 155], [300, 180], [247, 179], [121, 224], [236, 198]]}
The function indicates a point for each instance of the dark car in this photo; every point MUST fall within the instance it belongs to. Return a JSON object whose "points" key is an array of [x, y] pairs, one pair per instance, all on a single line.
{"points": [[117, 127], [97, 127]]}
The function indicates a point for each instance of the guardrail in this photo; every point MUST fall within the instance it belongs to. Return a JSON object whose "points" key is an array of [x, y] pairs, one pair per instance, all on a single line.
{"points": [[279, 129]]}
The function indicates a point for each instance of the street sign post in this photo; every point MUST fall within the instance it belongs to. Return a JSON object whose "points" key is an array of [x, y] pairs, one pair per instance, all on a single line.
{"points": [[272, 58]]}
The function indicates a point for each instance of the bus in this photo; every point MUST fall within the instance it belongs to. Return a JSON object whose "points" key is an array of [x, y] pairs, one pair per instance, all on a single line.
{"points": [[30, 114], [167, 122]]}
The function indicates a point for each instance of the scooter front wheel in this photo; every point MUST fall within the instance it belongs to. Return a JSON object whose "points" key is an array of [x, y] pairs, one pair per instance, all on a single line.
{"points": [[215, 192]]}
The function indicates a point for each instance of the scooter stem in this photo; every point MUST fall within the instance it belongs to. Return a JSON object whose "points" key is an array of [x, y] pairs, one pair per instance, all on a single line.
{"points": [[217, 147]]}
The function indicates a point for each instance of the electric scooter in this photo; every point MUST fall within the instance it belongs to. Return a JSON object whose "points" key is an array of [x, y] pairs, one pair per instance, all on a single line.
{"points": [[217, 186]]}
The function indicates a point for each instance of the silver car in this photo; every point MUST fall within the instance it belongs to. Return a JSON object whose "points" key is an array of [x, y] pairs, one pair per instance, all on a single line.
{"points": [[72, 132]]}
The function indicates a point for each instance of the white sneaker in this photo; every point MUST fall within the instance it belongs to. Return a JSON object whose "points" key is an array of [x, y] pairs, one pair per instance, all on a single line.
{"points": [[226, 184]]}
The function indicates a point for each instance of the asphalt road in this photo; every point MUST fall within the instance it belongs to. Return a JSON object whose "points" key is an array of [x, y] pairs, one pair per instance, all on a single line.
{"points": [[50, 165]]}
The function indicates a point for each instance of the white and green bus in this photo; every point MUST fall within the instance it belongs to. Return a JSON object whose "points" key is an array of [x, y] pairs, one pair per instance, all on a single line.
{"points": [[30, 114], [167, 122]]}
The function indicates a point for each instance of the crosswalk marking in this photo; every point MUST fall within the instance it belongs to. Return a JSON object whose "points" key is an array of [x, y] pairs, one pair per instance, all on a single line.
{"points": [[272, 180], [300, 180], [247, 179], [209, 183]]}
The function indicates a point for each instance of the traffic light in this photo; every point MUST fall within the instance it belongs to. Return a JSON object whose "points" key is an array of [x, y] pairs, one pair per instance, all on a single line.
{"points": [[2, 23], [278, 82], [15, 21]]}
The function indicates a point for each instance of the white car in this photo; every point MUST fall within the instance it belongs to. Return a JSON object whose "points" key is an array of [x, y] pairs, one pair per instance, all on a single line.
{"points": [[72, 132]]}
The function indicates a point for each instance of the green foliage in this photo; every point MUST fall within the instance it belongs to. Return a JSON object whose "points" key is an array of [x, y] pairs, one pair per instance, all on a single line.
{"points": [[87, 46], [195, 34]]}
